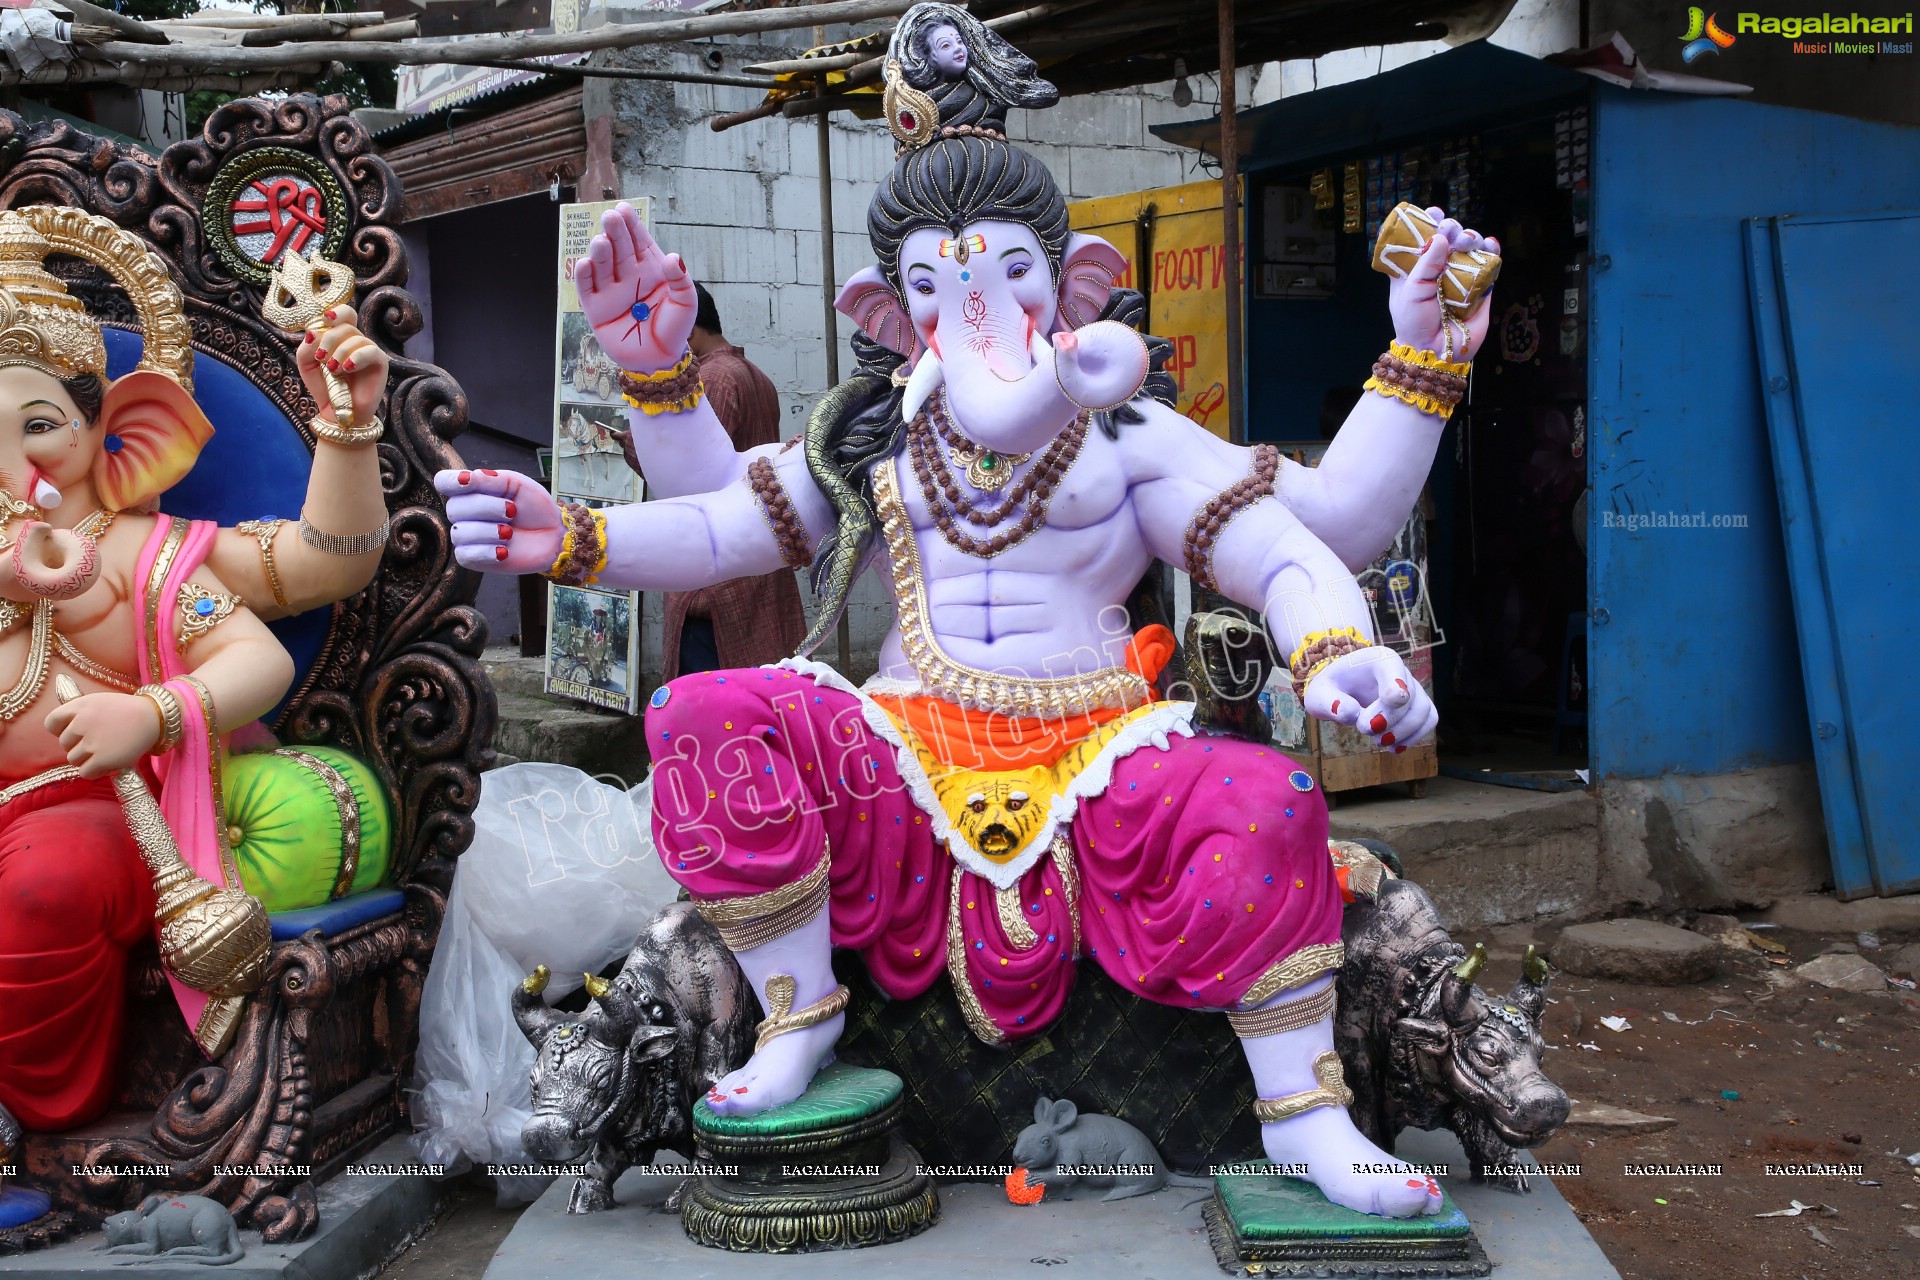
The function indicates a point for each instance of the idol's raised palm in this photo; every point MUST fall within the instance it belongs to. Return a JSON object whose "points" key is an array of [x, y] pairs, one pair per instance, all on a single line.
{"points": [[638, 299]]}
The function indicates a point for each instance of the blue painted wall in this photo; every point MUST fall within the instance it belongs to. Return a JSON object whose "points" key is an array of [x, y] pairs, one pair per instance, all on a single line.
{"points": [[1695, 668]]}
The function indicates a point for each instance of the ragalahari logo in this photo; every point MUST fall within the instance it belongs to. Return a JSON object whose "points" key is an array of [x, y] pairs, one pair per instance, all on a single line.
{"points": [[1703, 34]]}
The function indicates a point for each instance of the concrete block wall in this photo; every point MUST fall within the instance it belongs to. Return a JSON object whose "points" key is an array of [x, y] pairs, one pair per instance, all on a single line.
{"points": [[743, 207]]}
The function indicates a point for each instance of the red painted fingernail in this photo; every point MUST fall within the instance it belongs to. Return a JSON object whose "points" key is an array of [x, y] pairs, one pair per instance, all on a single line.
{"points": [[1397, 750], [485, 472], [499, 553], [348, 366], [1386, 739], [330, 315], [1379, 723], [512, 510], [1401, 683], [741, 1089], [466, 477], [1336, 706], [506, 532], [311, 335]]}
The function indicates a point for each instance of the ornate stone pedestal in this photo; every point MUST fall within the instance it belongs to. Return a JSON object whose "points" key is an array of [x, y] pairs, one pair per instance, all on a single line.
{"points": [[1265, 1224], [826, 1171]]}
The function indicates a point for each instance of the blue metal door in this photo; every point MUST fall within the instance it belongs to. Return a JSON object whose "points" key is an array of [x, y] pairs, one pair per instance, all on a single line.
{"points": [[1833, 312]]}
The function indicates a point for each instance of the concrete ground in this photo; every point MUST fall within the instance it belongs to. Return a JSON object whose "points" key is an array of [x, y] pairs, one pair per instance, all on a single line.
{"points": [[982, 1237]]}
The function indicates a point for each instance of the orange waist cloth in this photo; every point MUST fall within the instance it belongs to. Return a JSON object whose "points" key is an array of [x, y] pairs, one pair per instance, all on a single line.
{"points": [[989, 741]]}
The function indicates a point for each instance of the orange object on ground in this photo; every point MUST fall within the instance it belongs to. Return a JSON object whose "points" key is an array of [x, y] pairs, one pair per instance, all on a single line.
{"points": [[1019, 1192]]}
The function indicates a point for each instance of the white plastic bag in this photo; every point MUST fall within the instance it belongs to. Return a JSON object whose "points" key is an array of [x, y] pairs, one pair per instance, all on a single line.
{"points": [[562, 872]]}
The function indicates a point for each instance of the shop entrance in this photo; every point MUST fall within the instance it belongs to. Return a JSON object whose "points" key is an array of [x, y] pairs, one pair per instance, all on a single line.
{"points": [[1495, 561]]}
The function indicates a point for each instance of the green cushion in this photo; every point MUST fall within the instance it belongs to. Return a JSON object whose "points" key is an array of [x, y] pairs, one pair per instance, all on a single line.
{"points": [[1268, 1208], [839, 1095], [285, 825]]}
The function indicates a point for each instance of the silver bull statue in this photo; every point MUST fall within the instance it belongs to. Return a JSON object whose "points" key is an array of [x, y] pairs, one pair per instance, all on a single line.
{"points": [[1422, 1044], [616, 1084]]}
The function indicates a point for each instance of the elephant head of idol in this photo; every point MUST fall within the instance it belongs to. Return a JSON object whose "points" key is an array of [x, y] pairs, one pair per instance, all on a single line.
{"points": [[982, 304], [74, 446]]}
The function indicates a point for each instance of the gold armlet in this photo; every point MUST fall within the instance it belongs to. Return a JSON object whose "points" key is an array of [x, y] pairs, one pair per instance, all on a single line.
{"points": [[264, 532], [785, 1018], [1333, 1092], [201, 611], [336, 544], [172, 715], [351, 437]]}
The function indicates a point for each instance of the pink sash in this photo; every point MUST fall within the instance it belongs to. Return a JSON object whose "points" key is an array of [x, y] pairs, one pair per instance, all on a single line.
{"points": [[190, 774]]}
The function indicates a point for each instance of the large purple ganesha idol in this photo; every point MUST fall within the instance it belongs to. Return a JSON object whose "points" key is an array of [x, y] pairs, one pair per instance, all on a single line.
{"points": [[1007, 794]]}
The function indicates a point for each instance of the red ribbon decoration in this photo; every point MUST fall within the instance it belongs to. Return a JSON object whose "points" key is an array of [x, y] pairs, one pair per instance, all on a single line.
{"points": [[294, 215]]}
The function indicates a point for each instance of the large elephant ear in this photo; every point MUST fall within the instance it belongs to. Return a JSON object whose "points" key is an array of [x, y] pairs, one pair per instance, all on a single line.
{"points": [[872, 304], [1088, 275], [154, 434]]}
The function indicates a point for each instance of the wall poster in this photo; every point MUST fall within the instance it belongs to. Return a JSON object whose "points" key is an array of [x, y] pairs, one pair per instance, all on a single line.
{"points": [[593, 636]]}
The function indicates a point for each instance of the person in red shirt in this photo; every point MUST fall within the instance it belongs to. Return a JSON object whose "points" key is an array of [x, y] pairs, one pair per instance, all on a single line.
{"points": [[747, 622]]}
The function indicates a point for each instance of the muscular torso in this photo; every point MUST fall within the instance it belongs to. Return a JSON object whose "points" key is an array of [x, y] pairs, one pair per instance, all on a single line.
{"points": [[100, 623], [1054, 605]]}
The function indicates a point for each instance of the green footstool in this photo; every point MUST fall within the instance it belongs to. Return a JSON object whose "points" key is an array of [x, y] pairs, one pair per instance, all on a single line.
{"points": [[1264, 1224], [828, 1170]]}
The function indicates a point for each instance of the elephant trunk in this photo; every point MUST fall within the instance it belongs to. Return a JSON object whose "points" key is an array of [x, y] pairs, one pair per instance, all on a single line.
{"points": [[51, 564], [1005, 399]]}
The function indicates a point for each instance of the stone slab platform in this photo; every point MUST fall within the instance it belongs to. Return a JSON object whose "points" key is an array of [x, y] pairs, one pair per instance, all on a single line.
{"points": [[365, 1222], [982, 1237]]}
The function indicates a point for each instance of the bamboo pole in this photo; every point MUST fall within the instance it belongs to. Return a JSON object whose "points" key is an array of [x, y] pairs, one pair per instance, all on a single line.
{"points": [[129, 28], [1230, 218], [470, 51]]}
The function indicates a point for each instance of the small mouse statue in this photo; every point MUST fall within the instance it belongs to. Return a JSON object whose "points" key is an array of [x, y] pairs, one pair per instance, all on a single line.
{"points": [[1063, 1149], [186, 1228]]}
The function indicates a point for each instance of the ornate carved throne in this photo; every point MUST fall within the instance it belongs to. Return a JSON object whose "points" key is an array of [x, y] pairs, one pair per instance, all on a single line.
{"points": [[314, 1074]]}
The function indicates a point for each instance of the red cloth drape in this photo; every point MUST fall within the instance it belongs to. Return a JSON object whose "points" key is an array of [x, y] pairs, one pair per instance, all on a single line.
{"points": [[74, 896]]}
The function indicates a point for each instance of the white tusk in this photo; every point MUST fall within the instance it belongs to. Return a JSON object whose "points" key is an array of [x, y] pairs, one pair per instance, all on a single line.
{"points": [[1040, 349], [926, 379], [44, 495]]}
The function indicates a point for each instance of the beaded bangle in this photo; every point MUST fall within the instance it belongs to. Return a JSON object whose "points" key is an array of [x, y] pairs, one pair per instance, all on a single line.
{"points": [[1210, 521], [1317, 649], [172, 716], [1420, 378], [776, 508], [583, 547], [672, 390]]}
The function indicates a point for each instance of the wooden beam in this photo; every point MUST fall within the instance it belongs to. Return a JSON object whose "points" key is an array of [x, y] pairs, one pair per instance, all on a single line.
{"points": [[129, 28]]}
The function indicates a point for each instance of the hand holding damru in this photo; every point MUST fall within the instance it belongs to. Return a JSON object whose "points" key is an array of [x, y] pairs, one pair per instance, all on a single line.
{"points": [[503, 522], [1414, 299]]}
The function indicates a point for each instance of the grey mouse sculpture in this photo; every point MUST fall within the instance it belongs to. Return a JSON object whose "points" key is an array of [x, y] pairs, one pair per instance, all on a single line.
{"points": [[174, 1228], [1063, 1149]]}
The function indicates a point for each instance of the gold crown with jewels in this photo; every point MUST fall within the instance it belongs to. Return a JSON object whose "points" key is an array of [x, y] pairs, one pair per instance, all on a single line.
{"points": [[44, 327]]}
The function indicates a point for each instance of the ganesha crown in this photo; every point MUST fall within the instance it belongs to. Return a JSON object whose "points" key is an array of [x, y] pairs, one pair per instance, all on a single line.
{"points": [[45, 327], [41, 324]]}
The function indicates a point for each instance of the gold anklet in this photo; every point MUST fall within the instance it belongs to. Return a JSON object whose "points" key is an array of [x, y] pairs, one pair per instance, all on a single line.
{"points": [[1250, 1024], [1333, 1092], [784, 1017]]}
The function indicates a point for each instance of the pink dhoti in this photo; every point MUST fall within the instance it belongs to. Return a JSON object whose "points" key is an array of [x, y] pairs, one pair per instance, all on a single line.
{"points": [[1196, 873]]}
